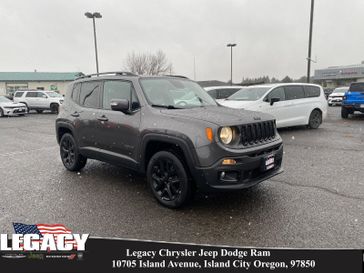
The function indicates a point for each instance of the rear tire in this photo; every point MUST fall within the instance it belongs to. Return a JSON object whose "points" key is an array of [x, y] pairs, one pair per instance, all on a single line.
{"points": [[344, 113], [315, 119], [70, 155], [168, 180]]}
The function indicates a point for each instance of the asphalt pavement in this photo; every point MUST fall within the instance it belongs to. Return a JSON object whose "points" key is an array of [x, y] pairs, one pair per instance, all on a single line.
{"points": [[317, 202]]}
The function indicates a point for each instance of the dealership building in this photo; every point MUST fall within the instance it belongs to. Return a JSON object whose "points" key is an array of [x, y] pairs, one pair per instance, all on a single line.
{"points": [[335, 76], [56, 81]]}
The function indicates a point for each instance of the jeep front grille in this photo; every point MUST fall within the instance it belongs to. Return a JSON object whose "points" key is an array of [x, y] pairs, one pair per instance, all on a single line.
{"points": [[259, 132]]}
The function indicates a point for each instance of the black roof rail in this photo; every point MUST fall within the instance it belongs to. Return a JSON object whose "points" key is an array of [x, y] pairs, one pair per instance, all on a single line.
{"points": [[115, 73]]}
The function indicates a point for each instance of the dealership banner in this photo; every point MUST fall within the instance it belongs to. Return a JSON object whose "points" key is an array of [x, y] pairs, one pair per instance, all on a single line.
{"points": [[80, 253]]}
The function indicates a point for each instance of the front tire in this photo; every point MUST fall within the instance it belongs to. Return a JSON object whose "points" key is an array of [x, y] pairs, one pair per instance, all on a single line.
{"points": [[54, 108], [344, 113], [315, 119], [1, 113], [168, 180], [70, 155]]}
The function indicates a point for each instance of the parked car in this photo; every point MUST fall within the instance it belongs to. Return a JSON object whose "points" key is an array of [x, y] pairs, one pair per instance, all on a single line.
{"points": [[328, 91], [292, 104], [39, 100], [10, 108], [222, 92], [336, 97], [138, 122], [353, 100]]}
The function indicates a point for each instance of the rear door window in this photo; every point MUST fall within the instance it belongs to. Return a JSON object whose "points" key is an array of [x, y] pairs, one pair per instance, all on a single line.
{"points": [[90, 94], [31, 94], [357, 87], [312, 91], [294, 92]]}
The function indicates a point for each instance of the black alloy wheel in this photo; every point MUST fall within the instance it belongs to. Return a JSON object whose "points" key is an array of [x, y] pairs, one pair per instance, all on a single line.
{"points": [[168, 180], [315, 119], [71, 158], [344, 112]]}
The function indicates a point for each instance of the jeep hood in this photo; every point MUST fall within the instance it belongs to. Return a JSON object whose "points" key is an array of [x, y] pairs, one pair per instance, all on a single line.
{"points": [[239, 104], [219, 115]]}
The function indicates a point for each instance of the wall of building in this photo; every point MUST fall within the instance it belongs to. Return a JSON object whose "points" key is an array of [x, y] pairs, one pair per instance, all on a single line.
{"points": [[60, 87]]}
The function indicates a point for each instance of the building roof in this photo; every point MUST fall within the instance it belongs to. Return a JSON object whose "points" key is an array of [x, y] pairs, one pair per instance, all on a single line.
{"points": [[340, 72], [39, 76]]}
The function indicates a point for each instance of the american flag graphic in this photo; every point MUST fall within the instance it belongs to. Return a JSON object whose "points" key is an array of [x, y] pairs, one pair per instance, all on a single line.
{"points": [[42, 229]]}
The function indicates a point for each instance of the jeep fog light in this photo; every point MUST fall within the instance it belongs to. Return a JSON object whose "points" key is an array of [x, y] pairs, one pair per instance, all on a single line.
{"points": [[226, 135], [229, 161]]}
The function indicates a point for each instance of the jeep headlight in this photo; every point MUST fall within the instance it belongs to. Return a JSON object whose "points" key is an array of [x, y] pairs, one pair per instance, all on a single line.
{"points": [[226, 135]]}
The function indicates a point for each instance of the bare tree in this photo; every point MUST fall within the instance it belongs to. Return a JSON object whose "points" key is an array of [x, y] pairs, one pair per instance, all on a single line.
{"points": [[148, 63]]}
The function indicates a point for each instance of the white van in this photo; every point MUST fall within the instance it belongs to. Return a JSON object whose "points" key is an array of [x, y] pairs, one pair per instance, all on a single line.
{"points": [[292, 104]]}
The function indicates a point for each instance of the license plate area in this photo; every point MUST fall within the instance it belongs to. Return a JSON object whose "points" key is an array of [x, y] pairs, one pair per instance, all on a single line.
{"points": [[268, 162], [361, 105]]}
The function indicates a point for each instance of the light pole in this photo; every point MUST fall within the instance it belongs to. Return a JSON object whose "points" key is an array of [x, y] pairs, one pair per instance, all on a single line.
{"points": [[93, 16], [310, 42], [231, 62]]}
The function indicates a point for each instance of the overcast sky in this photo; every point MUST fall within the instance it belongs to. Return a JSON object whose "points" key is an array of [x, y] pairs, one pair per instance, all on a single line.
{"points": [[271, 35]]}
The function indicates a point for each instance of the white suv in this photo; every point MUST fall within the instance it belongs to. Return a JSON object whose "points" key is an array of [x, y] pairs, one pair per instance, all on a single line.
{"points": [[292, 104], [39, 100]]}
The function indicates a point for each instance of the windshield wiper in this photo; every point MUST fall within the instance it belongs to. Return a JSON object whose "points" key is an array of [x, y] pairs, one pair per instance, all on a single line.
{"points": [[166, 106]]}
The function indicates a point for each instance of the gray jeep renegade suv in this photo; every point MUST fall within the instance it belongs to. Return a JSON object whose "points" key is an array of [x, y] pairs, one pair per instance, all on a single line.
{"points": [[170, 129]]}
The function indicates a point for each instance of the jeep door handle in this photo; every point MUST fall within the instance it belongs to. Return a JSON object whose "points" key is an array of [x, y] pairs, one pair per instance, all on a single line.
{"points": [[103, 118], [75, 114]]}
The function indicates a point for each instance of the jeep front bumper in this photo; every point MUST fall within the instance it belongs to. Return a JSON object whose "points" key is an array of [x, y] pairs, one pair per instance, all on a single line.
{"points": [[248, 171], [354, 107]]}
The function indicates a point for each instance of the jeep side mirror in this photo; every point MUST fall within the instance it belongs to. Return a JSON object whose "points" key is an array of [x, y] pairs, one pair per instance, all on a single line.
{"points": [[121, 105], [273, 100]]}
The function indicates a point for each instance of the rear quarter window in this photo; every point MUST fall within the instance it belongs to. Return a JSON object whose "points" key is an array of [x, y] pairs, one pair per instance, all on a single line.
{"points": [[90, 94], [312, 91], [76, 93]]}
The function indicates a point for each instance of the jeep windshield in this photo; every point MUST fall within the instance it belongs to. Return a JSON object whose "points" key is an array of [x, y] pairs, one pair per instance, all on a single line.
{"points": [[357, 87], [249, 93], [175, 93]]}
